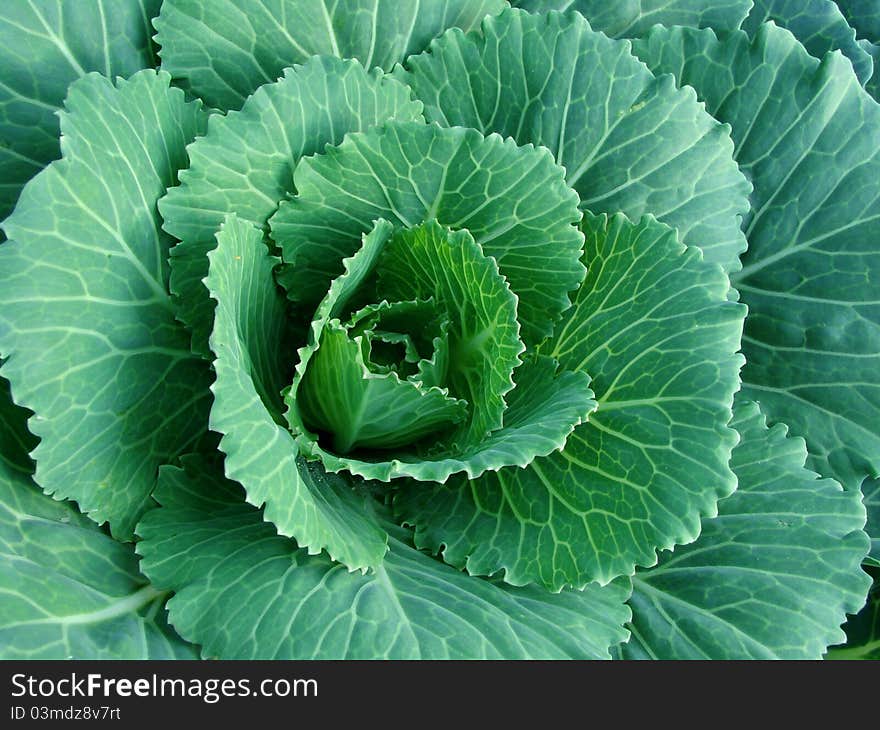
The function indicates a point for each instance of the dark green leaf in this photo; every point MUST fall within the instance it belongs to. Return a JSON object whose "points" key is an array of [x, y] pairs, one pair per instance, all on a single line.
{"points": [[818, 25], [653, 327], [86, 321], [629, 142], [771, 577], [44, 47], [224, 49], [807, 135], [68, 590], [243, 592]]}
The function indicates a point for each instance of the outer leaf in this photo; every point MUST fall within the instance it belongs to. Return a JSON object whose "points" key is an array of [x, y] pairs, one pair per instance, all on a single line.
{"points": [[68, 590], [85, 319], [807, 136], [864, 16], [818, 25], [43, 49], [653, 326], [632, 18], [873, 84], [321, 512], [223, 50], [629, 142], [771, 577], [862, 631], [245, 163], [248, 593], [512, 200], [871, 493]]}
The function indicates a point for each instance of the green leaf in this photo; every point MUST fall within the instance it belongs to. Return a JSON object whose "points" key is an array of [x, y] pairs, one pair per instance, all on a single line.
{"points": [[244, 592], [771, 577], [357, 270], [806, 134], [629, 142], [428, 261], [818, 25], [320, 511], [864, 16], [245, 162], [512, 200], [417, 328], [632, 18], [68, 590], [43, 49], [871, 494], [85, 318], [862, 631], [873, 84], [652, 325], [223, 50]]}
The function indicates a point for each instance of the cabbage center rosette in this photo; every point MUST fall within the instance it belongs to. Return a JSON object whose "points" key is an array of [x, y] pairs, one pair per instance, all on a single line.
{"points": [[369, 385]]}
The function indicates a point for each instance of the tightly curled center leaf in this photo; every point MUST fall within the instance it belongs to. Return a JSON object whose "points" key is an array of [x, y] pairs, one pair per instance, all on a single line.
{"points": [[341, 392]]}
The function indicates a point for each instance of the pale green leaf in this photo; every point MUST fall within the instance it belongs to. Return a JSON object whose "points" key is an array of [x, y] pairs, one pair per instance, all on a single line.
{"points": [[629, 142], [631, 18], [68, 590], [513, 200], [245, 162], [224, 49], [871, 494], [86, 321], [419, 331], [818, 25], [864, 16], [321, 511], [652, 325], [808, 136], [245, 593], [430, 261], [43, 49], [771, 577]]}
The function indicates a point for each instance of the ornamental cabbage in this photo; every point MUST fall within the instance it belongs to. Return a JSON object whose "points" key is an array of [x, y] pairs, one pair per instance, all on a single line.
{"points": [[439, 329]]}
